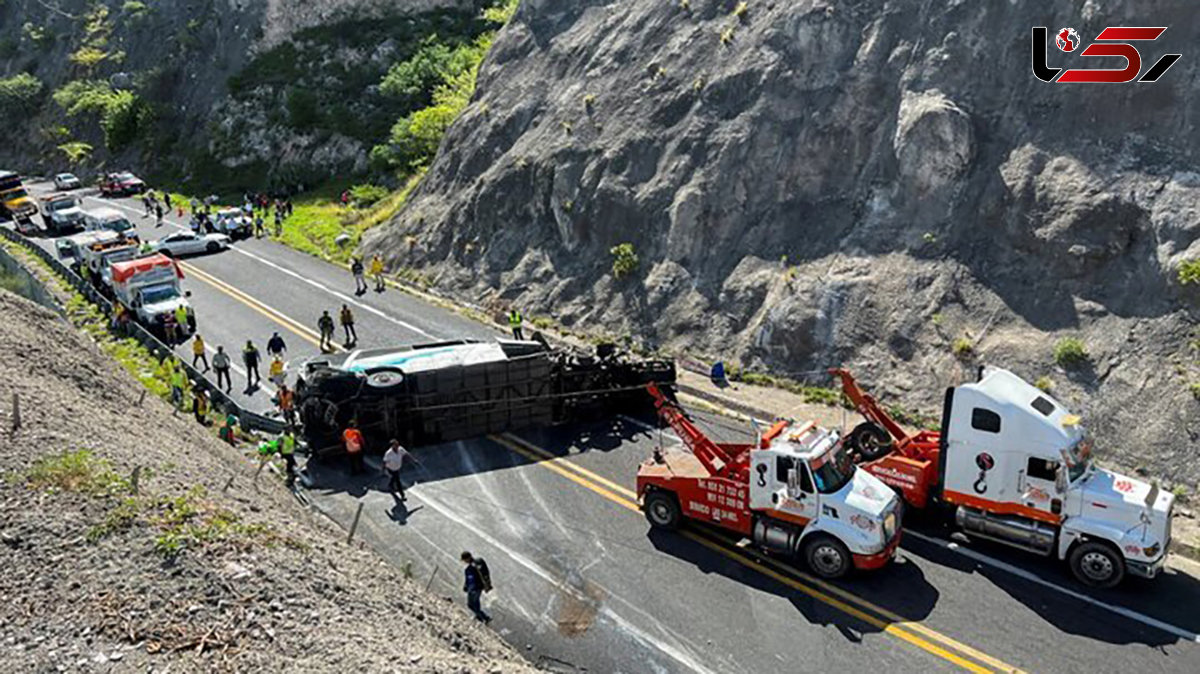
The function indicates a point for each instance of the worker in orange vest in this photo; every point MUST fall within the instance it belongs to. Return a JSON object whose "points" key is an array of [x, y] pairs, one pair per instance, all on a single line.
{"points": [[354, 446], [287, 404]]}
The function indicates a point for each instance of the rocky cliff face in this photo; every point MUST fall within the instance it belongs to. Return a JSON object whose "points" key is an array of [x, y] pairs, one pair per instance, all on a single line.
{"points": [[253, 93], [883, 184]]}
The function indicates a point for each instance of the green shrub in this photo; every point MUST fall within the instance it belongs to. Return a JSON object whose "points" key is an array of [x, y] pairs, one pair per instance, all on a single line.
{"points": [[303, 107], [1194, 387], [134, 8], [625, 260], [963, 347], [76, 151], [1189, 271], [20, 94], [366, 195], [1070, 352], [1044, 383]]}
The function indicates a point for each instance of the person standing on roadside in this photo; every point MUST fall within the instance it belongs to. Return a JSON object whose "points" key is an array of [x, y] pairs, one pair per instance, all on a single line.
{"points": [[360, 283], [178, 385], [200, 407], [347, 319], [276, 346], [287, 450], [377, 273], [275, 371], [354, 446], [514, 321], [181, 319], [221, 364], [476, 581], [170, 328], [325, 327], [250, 358], [286, 399], [393, 463], [259, 229], [167, 201], [198, 354], [158, 214]]}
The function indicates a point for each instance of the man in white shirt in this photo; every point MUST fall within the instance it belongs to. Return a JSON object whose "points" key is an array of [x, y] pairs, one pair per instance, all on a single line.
{"points": [[393, 462]]}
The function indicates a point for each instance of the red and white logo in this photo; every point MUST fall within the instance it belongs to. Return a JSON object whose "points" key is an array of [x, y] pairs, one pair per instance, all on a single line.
{"points": [[1067, 39], [1112, 42]]}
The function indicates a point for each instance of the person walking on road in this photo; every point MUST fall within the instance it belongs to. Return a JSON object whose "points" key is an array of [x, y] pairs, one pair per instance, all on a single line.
{"points": [[325, 327], [259, 229], [275, 372], [182, 319], [276, 346], [354, 446], [250, 358], [347, 319], [514, 321], [221, 365], [377, 273], [198, 354], [360, 283], [200, 407], [148, 204], [476, 581], [170, 328], [393, 463], [286, 399], [158, 215], [167, 200]]}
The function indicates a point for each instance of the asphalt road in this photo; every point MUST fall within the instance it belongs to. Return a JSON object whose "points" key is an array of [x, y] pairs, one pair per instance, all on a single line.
{"points": [[583, 584]]}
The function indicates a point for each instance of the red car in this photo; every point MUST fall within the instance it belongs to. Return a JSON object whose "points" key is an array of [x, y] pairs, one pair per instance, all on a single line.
{"points": [[121, 185]]}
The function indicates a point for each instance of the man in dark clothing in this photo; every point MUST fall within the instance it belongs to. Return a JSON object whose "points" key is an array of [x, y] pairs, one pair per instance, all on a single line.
{"points": [[360, 282], [347, 318], [250, 358], [474, 586], [276, 346], [325, 326]]}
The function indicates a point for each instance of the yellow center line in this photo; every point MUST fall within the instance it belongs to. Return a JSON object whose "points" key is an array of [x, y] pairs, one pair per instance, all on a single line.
{"points": [[291, 324], [891, 623]]}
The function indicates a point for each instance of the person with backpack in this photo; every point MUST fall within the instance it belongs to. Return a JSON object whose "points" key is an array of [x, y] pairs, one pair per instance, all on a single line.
{"points": [[477, 579]]}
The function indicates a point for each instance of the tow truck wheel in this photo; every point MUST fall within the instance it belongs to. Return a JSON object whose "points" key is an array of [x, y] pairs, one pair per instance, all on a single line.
{"points": [[1097, 565], [827, 557], [662, 511], [871, 440]]}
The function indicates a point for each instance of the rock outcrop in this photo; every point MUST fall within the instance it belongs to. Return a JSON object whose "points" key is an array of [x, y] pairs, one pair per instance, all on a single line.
{"points": [[883, 184]]}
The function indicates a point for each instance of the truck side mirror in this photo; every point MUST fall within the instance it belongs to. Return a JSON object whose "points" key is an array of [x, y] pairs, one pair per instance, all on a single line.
{"points": [[1060, 479], [793, 484]]}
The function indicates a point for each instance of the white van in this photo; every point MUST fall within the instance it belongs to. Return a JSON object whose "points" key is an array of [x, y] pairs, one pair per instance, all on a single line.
{"points": [[109, 219]]}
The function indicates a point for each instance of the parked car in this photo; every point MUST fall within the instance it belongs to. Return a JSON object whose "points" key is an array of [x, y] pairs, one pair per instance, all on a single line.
{"points": [[66, 181], [233, 222], [121, 184], [190, 243]]}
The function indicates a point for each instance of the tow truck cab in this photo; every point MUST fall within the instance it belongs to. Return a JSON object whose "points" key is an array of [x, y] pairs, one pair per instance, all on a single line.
{"points": [[1018, 467], [150, 288], [796, 492]]}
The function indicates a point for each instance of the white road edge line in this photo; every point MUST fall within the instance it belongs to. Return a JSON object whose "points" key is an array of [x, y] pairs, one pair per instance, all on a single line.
{"points": [[1034, 578], [340, 295], [1009, 568]]}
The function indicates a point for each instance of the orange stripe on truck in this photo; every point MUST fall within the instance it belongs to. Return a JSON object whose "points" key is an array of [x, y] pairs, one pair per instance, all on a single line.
{"points": [[1000, 508]]}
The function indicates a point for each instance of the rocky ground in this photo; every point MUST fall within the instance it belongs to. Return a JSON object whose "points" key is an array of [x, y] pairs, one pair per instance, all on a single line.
{"points": [[203, 567], [804, 184]]}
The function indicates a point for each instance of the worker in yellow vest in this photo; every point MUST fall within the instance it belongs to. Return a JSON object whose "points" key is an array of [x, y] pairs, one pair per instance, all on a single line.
{"points": [[198, 354], [514, 322], [287, 450], [377, 273], [178, 386]]}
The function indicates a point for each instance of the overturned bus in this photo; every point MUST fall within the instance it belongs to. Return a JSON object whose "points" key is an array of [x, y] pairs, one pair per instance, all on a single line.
{"points": [[432, 393]]}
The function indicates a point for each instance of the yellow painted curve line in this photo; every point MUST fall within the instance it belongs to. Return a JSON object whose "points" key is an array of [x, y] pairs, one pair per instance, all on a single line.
{"points": [[887, 621]]}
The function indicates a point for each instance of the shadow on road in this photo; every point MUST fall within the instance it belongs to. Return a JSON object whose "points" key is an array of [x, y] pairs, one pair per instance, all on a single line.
{"points": [[1171, 598], [905, 591]]}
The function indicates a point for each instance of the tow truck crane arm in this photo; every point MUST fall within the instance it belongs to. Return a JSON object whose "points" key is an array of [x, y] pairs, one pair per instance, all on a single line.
{"points": [[721, 460], [866, 405]]}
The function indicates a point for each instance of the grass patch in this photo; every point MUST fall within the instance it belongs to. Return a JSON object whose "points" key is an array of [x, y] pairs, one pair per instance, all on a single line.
{"points": [[625, 259], [1189, 272], [78, 472], [818, 395], [1044, 383], [1070, 352], [1194, 387], [963, 347]]}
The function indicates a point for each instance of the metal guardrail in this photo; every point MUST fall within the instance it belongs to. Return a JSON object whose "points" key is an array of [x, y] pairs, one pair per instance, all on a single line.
{"points": [[220, 399]]}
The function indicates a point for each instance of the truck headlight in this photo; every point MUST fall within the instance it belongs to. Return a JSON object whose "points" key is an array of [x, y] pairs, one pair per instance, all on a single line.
{"points": [[1152, 550]]}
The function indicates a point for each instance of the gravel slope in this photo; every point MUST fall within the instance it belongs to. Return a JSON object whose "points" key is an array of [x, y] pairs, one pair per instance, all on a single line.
{"points": [[260, 584]]}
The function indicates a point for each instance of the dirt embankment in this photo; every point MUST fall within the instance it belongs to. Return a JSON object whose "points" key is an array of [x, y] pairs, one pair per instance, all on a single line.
{"points": [[184, 573]]}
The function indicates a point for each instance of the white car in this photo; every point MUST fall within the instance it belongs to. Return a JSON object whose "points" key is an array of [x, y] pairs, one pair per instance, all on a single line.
{"points": [[66, 181], [190, 243]]}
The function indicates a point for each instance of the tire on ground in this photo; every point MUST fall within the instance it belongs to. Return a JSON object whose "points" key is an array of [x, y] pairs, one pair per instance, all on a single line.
{"points": [[827, 557], [1097, 564], [662, 510]]}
